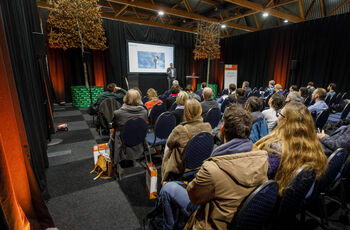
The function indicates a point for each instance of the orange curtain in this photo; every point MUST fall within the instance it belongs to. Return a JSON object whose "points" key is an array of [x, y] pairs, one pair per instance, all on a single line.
{"points": [[56, 69], [99, 68], [20, 197]]}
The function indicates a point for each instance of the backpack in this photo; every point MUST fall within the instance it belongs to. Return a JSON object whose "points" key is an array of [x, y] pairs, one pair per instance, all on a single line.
{"points": [[259, 130]]}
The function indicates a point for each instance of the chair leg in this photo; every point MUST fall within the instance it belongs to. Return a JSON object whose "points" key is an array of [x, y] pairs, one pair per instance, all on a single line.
{"points": [[324, 218]]}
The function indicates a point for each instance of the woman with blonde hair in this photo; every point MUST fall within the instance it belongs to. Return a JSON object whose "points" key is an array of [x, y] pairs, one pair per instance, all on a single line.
{"points": [[153, 98], [293, 144], [172, 165], [180, 105]]}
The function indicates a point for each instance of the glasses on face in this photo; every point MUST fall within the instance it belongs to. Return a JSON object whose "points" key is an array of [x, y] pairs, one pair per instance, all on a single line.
{"points": [[278, 114]]}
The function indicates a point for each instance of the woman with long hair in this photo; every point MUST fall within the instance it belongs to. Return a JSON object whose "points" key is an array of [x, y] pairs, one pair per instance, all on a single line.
{"points": [[153, 99], [293, 143]]}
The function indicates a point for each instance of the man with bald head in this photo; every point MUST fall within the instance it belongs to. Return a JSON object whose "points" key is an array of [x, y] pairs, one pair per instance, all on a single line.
{"points": [[318, 95], [208, 101], [131, 109]]}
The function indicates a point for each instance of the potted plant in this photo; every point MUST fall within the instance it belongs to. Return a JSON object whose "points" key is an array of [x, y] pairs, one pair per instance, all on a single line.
{"points": [[77, 24]]}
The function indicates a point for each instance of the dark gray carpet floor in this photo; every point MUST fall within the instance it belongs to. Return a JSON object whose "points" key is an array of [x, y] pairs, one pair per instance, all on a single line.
{"points": [[79, 202]]}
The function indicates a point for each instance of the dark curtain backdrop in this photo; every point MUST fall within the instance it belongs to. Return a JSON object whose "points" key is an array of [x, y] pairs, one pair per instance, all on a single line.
{"points": [[29, 79], [320, 47]]}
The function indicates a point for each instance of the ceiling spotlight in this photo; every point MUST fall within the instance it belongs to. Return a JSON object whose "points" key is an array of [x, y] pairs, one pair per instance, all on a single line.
{"points": [[285, 21], [161, 13], [223, 26], [265, 14]]}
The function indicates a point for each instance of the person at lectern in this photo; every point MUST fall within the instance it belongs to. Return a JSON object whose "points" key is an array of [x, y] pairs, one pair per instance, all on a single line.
{"points": [[171, 71]]}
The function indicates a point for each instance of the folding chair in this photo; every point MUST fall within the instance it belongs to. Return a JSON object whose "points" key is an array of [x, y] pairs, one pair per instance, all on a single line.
{"points": [[213, 117], [257, 208], [156, 111], [105, 114], [321, 119], [198, 149], [224, 104], [336, 117]]}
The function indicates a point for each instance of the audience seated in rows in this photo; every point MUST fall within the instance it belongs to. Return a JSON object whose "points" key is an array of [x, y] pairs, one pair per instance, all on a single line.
{"points": [[276, 103], [168, 92], [200, 91], [310, 87], [331, 89], [153, 99], [339, 139], [231, 91], [172, 165], [191, 94], [318, 95], [304, 93], [293, 144], [180, 105], [175, 89], [245, 86], [208, 102], [271, 88], [232, 172], [260, 127], [278, 88], [131, 109], [239, 97], [293, 88], [294, 96], [113, 91]]}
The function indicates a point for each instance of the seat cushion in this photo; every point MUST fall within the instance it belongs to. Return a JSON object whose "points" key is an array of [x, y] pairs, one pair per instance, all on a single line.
{"points": [[150, 140]]}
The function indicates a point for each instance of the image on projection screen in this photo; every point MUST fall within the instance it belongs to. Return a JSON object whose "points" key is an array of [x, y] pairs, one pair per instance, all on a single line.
{"points": [[147, 58]]}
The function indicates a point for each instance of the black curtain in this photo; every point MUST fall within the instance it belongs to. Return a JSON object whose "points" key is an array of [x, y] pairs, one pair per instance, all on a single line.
{"points": [[21, 20], [118, 33], [320, 47]]}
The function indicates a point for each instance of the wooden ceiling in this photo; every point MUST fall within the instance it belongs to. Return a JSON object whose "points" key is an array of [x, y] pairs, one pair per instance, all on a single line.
{"points": [[239, 16]]}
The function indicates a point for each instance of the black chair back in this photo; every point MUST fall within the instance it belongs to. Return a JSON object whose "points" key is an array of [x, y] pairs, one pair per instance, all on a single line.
{"points": [[145, 99], [224, 92], [257, 208], [338, 98], [224, 104], [165, 123], [156, 111], [345, 112], [322, 118], [197, 150], [333, 99], [335, 163], [327, 100], [173, 107], [294, 195], [267, 100], [134, 132], [307, 101], [345, 95], [213, 117]]}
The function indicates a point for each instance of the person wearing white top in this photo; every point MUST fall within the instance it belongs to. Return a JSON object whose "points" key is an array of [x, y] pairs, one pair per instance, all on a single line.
{"points": [[276, 103]]}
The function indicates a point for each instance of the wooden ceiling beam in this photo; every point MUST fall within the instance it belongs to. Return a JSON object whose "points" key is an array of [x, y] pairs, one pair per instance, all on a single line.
{"points": [[188, 6], [211, 2], [251, 12], [310, 8], [148, 23], [322, 8], [289, 11], [271, 11], [256, 21], [301, 10], [336, 9]]}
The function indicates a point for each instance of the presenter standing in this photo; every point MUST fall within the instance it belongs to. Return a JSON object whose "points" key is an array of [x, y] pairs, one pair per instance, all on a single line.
{"points": [[171, 71]]}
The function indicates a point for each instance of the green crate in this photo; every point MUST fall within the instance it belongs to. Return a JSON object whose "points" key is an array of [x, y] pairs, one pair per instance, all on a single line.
{"points": [[81, 95]]}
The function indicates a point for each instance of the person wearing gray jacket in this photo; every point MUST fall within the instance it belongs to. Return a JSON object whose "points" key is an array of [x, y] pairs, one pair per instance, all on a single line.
{"points": [[208, 102], [131, 109]]}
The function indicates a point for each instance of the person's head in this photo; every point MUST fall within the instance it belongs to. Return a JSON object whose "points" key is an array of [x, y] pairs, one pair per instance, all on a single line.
{"points": [[207, 93], [303, 92], [188, 88], [300, 145], [181, 98], [138, 90], [331, 87], [111, 87], [175, 89], [310, 84], [171, 65], [240, 92], [278, 87], [245, 84], [176, 82], [237, 123], [293, 88], [254, 104], [132, 97], [272, 83], [276, 101], [192, 110], [232, 87], [319, 94], [293, 96], [203, 85], [152, 93]]}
